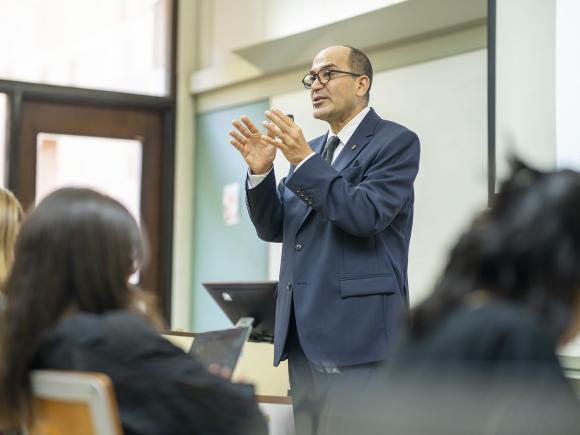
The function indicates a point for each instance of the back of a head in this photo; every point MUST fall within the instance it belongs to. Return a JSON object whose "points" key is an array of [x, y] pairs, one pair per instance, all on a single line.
{"points": [[75, 252], [80, 247], [525, 250], [10, 219]]}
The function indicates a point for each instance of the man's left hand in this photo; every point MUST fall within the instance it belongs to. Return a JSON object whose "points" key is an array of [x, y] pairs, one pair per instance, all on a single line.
{"points": [[285, 135]]}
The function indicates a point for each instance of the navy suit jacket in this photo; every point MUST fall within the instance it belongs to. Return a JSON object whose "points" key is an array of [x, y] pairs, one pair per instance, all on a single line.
{"points": [[345, 231]]}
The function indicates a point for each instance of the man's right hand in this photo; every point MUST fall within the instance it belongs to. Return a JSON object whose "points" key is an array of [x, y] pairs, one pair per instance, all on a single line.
{"points": [[257, 152]]}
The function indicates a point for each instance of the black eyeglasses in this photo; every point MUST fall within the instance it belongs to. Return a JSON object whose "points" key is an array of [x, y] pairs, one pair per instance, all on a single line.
{"points": [[324, 76]]}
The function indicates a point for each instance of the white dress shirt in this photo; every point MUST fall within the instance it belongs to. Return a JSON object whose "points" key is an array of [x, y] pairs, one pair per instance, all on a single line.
{"points": [[344, 135]]}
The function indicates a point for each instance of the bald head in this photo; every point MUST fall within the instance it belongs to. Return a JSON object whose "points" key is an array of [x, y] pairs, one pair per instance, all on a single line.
{"points": [[357, 61], [360, 64]]}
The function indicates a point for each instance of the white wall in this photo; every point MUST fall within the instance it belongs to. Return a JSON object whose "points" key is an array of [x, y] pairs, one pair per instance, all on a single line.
{"points": [[287, 17], [568, 99], [228, 24], [525, 71], [567, 84], [444, 101]]}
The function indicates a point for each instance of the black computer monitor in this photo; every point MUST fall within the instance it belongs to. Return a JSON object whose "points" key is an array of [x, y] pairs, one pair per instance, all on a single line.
{"points": [[248, 299]]}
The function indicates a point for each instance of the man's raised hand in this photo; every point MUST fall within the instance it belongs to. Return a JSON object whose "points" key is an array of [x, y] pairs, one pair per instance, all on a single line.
{"points": [[258, 153], [284, 133]]}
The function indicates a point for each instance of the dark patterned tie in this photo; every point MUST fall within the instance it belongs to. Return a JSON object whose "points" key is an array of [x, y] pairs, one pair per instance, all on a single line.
{"points": [[331, 145]]}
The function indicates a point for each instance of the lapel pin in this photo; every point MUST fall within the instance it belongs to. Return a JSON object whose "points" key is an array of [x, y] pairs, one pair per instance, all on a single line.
{"points": [[354, 146]]}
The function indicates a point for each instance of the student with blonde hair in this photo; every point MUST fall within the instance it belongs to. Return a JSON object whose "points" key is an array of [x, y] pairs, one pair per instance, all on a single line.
{"points": [[10, 218]]}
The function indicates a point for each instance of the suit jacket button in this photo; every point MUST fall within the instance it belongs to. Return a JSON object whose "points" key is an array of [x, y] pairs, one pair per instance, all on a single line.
{"points": [[289, 286], [298, 246]]}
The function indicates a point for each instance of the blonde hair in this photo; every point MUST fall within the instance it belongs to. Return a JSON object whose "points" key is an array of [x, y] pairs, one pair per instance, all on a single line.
{"points": [[11, 215]]}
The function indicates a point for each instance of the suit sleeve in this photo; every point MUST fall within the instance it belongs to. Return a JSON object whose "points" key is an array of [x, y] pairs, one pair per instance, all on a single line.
{"points": [[265, 206], [366, 208]]}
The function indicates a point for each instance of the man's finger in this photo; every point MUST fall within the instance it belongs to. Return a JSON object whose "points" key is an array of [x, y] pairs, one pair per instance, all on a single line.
{"points": [[250, 125], [237, 145], [274, 142], [241, 128], [277, 121], [237, 136], [289, 122], [273, 129]]}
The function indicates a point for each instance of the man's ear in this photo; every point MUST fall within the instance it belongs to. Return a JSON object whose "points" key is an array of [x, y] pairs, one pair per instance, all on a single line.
{"points": [[362, 86]]}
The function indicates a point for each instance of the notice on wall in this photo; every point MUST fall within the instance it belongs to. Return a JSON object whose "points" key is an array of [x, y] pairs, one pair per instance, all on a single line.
{"points": [[231, 204]]}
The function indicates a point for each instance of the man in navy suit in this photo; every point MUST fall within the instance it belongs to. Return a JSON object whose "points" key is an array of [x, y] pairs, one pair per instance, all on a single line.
{"points": [[344, 215]]}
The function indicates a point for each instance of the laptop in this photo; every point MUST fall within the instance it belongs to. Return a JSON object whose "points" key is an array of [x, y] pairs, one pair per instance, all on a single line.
{"points": [[220, 350]]}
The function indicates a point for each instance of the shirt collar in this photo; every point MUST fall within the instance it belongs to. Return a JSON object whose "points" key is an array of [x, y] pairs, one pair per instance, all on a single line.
{"points": [[347, 131]]}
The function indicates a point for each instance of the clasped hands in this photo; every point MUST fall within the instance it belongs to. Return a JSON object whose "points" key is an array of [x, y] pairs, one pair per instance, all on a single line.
{"points": [[259, 150]]}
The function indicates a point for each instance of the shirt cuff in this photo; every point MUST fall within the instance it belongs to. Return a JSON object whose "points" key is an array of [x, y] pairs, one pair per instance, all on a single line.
{"points": [[302, 162], [255, 179]]}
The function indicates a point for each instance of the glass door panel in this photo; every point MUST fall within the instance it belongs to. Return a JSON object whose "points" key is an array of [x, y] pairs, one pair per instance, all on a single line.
{"points": [[110, 166]]}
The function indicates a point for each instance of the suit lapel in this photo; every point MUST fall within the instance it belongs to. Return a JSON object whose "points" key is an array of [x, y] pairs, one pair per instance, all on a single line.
{"points": [[360, 138], [317, 144]]}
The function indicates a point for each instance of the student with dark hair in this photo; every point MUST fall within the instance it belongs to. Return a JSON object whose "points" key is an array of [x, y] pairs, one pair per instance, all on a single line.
{"points": [[480, 353], [525, 251], [70, 306]]}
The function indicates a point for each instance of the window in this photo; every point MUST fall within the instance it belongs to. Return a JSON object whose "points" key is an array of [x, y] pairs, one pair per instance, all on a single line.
{"points": [[118, 45]]}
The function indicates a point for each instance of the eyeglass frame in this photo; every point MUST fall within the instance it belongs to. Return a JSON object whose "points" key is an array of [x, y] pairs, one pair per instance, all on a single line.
{"points": [[330, 71]]}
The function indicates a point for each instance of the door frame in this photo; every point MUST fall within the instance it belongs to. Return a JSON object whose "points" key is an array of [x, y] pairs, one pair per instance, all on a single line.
{"points": [[21, 93]]}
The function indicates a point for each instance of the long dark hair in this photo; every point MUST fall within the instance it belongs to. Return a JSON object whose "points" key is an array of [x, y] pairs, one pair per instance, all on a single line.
{"points": [[525, 249], [75, 252]]}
